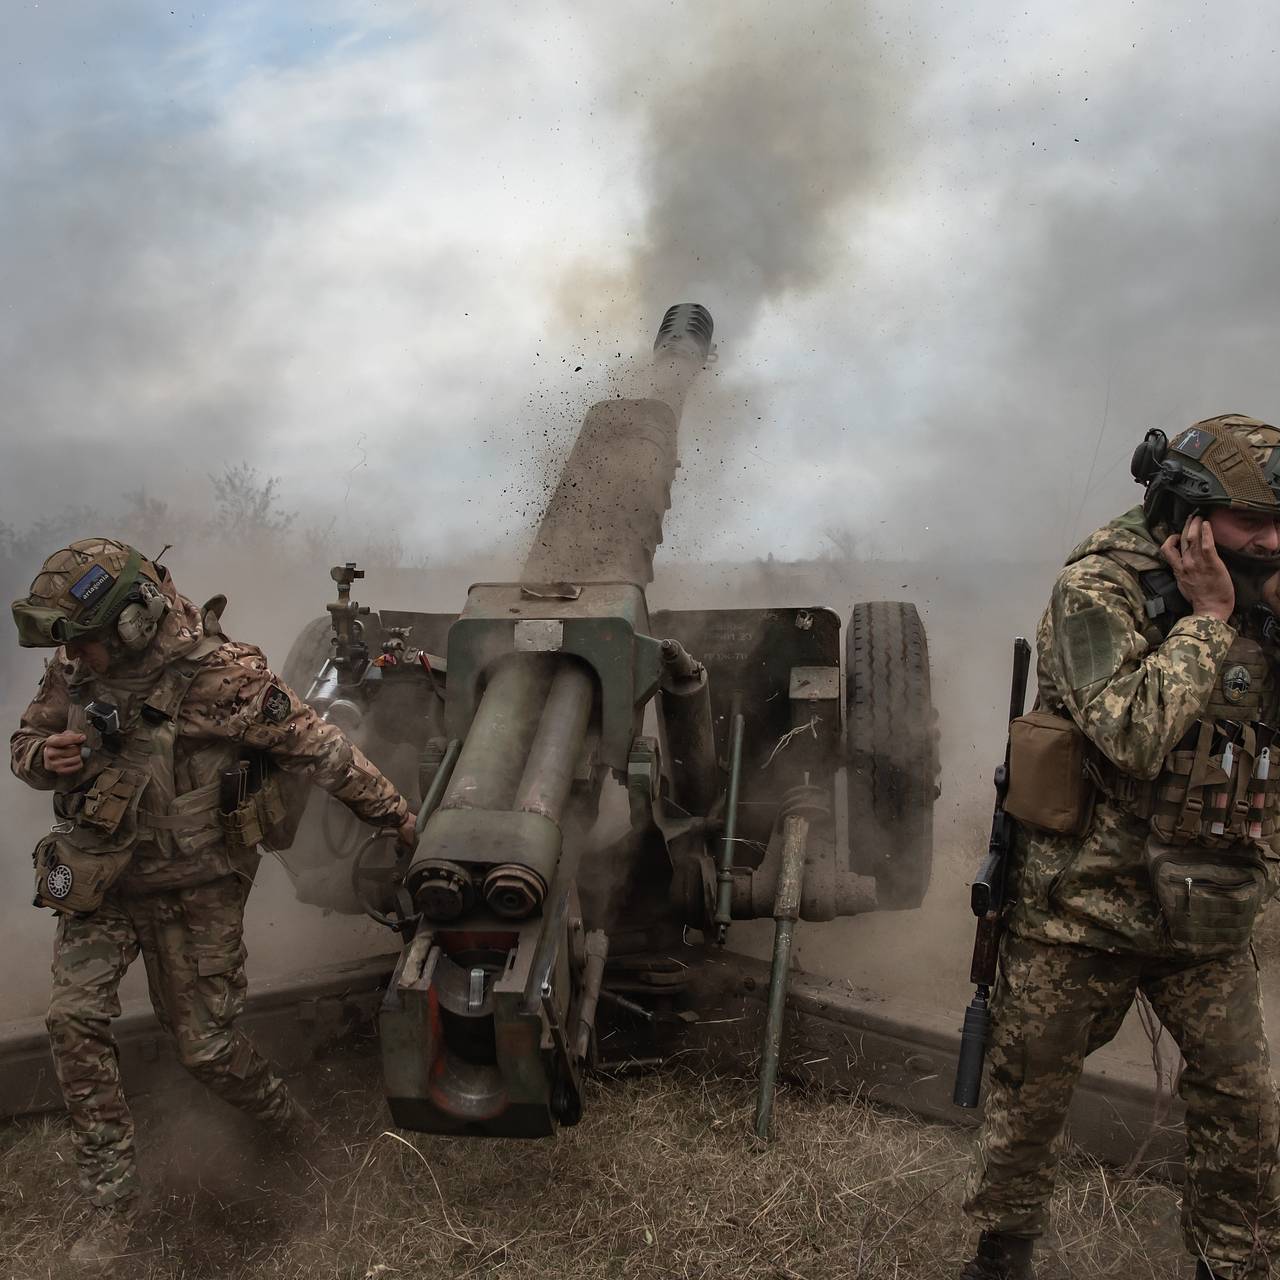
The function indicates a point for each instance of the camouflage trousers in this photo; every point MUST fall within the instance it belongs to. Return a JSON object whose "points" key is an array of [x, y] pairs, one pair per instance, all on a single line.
{"points": [[191, 941], [1057, 1003]]}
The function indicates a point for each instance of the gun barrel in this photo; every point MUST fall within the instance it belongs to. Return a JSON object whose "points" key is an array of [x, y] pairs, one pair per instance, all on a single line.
{"points": [[496, 749], [553, 757], [604, 520]]}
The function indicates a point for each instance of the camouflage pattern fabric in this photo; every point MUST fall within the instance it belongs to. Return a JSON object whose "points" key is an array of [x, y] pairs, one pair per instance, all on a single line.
{"points": [[235, 701], [1055, 1004], [1086, 933], [181, 903], [191, 941], [1134, 695]]}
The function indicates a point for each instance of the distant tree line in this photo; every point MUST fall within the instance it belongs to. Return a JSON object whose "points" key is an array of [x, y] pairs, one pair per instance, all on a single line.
{"points": [[245, 520]]}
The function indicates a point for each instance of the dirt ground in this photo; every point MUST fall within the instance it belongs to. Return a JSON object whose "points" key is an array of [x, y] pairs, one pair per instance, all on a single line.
{"points": [[662, 1179]]}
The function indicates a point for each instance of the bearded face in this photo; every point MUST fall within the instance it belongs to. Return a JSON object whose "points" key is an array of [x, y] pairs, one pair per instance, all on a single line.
{"points": [[1249, 544]]}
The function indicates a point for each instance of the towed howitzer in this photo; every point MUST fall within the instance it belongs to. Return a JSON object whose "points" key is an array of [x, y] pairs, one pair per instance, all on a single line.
{"points": [[987, 901], [602, 786]]}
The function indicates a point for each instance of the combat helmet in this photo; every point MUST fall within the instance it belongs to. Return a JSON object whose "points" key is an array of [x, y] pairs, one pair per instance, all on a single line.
{"points": [[1228, 461], [96, 589]]}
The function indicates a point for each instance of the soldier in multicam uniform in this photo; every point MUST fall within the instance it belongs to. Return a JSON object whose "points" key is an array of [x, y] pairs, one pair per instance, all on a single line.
{"points": [[162, 740], [1160, 646]]}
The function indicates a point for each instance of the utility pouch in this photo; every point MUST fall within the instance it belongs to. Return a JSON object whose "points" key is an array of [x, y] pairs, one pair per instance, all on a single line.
{"points": [[111, 797], [1050, 787], [72, 879], [193, 821], [1209, 901]]}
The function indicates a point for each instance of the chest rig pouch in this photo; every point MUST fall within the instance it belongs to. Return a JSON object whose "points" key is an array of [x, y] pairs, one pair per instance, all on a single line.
{"points": [[117, 800], [1213, 806]]}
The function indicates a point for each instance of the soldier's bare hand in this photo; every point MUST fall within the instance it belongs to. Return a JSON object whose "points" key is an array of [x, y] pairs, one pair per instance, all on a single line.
{"points": [[62, 752], [1201, 575], [409, 830]]}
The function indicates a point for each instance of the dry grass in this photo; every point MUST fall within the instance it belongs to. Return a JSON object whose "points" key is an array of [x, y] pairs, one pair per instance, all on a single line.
{"points": [[661, 1180]]}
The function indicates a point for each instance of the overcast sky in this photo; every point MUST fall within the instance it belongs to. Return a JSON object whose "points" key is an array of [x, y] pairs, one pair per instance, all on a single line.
{"points": [[960, 257]]}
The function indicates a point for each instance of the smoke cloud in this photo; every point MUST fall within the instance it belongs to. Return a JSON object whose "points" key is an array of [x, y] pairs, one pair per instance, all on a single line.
{"points": [[959, 261]]}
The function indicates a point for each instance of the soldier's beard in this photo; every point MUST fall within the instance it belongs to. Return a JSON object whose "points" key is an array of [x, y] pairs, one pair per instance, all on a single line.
{"points": [[1249, 574]]}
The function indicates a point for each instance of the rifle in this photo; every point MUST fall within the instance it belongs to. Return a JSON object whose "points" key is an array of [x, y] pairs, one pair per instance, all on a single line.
{"points": [[987, 901]]}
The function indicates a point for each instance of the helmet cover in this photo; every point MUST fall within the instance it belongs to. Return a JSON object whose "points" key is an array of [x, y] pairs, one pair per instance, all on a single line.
{"points": [[80, 590]]}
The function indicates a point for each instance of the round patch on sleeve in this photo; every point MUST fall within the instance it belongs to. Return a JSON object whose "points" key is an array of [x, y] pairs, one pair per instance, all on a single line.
{"points": [[275, 705]]}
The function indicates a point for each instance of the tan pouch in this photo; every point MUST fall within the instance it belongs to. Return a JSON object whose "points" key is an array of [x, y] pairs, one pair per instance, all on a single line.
{"points": [[193, 821], [1209, 900], [111, 797], [71, 879], [243, 825], [1049, 786]]}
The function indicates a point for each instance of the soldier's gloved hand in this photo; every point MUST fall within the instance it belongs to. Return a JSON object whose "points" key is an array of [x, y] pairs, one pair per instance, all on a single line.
{"points": [[61, 752], [1201, 575]]}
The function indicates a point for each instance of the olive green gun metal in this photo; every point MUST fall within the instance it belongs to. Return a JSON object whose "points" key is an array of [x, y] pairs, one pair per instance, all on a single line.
{"points": [[605, 788]]}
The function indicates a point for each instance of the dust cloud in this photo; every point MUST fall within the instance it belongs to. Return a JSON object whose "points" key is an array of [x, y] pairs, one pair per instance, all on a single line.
{"points": [[958, 262]]}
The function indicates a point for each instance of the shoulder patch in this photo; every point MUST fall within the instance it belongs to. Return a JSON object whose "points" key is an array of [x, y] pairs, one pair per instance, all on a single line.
{"points": [[275, 705], [1092, 646]]}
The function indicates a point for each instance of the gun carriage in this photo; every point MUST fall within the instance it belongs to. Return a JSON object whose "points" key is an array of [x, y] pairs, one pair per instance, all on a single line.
{"points": [[604, 790]]}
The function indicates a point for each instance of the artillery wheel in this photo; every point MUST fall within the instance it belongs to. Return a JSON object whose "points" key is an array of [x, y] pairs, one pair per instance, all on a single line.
{"points": [[307, 654], [891, 749]]}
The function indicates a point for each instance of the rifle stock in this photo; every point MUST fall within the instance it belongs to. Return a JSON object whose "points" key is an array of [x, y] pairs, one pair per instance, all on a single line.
{"points": [[987, 901]]}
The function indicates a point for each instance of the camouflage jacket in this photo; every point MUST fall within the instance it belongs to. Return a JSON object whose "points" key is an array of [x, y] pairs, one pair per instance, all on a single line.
{"points": [[1134, 694], [233, 702]]}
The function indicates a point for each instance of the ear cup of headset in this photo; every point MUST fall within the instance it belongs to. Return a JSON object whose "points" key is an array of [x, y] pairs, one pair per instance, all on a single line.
{"points": [[140, 618], [1148, 456]]}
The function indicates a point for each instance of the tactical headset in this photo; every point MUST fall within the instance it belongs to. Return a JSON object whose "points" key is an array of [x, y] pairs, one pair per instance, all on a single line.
{"points": [[139, 620]]}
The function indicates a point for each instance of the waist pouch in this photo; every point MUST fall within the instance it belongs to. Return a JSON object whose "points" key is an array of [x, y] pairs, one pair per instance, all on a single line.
{"points": [[1049, 784], [1209, 900], [69, 878], [88, 851]]}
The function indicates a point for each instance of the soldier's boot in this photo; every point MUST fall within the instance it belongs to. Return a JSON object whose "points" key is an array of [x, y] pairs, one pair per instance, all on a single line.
{"points": [[1000, 1257], [104, 1237], [295, 1127]]}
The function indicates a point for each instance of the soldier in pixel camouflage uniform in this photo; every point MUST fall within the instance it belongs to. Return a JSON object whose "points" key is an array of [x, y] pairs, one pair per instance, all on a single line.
{"points": [[152, 853], [1160, 646]]}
